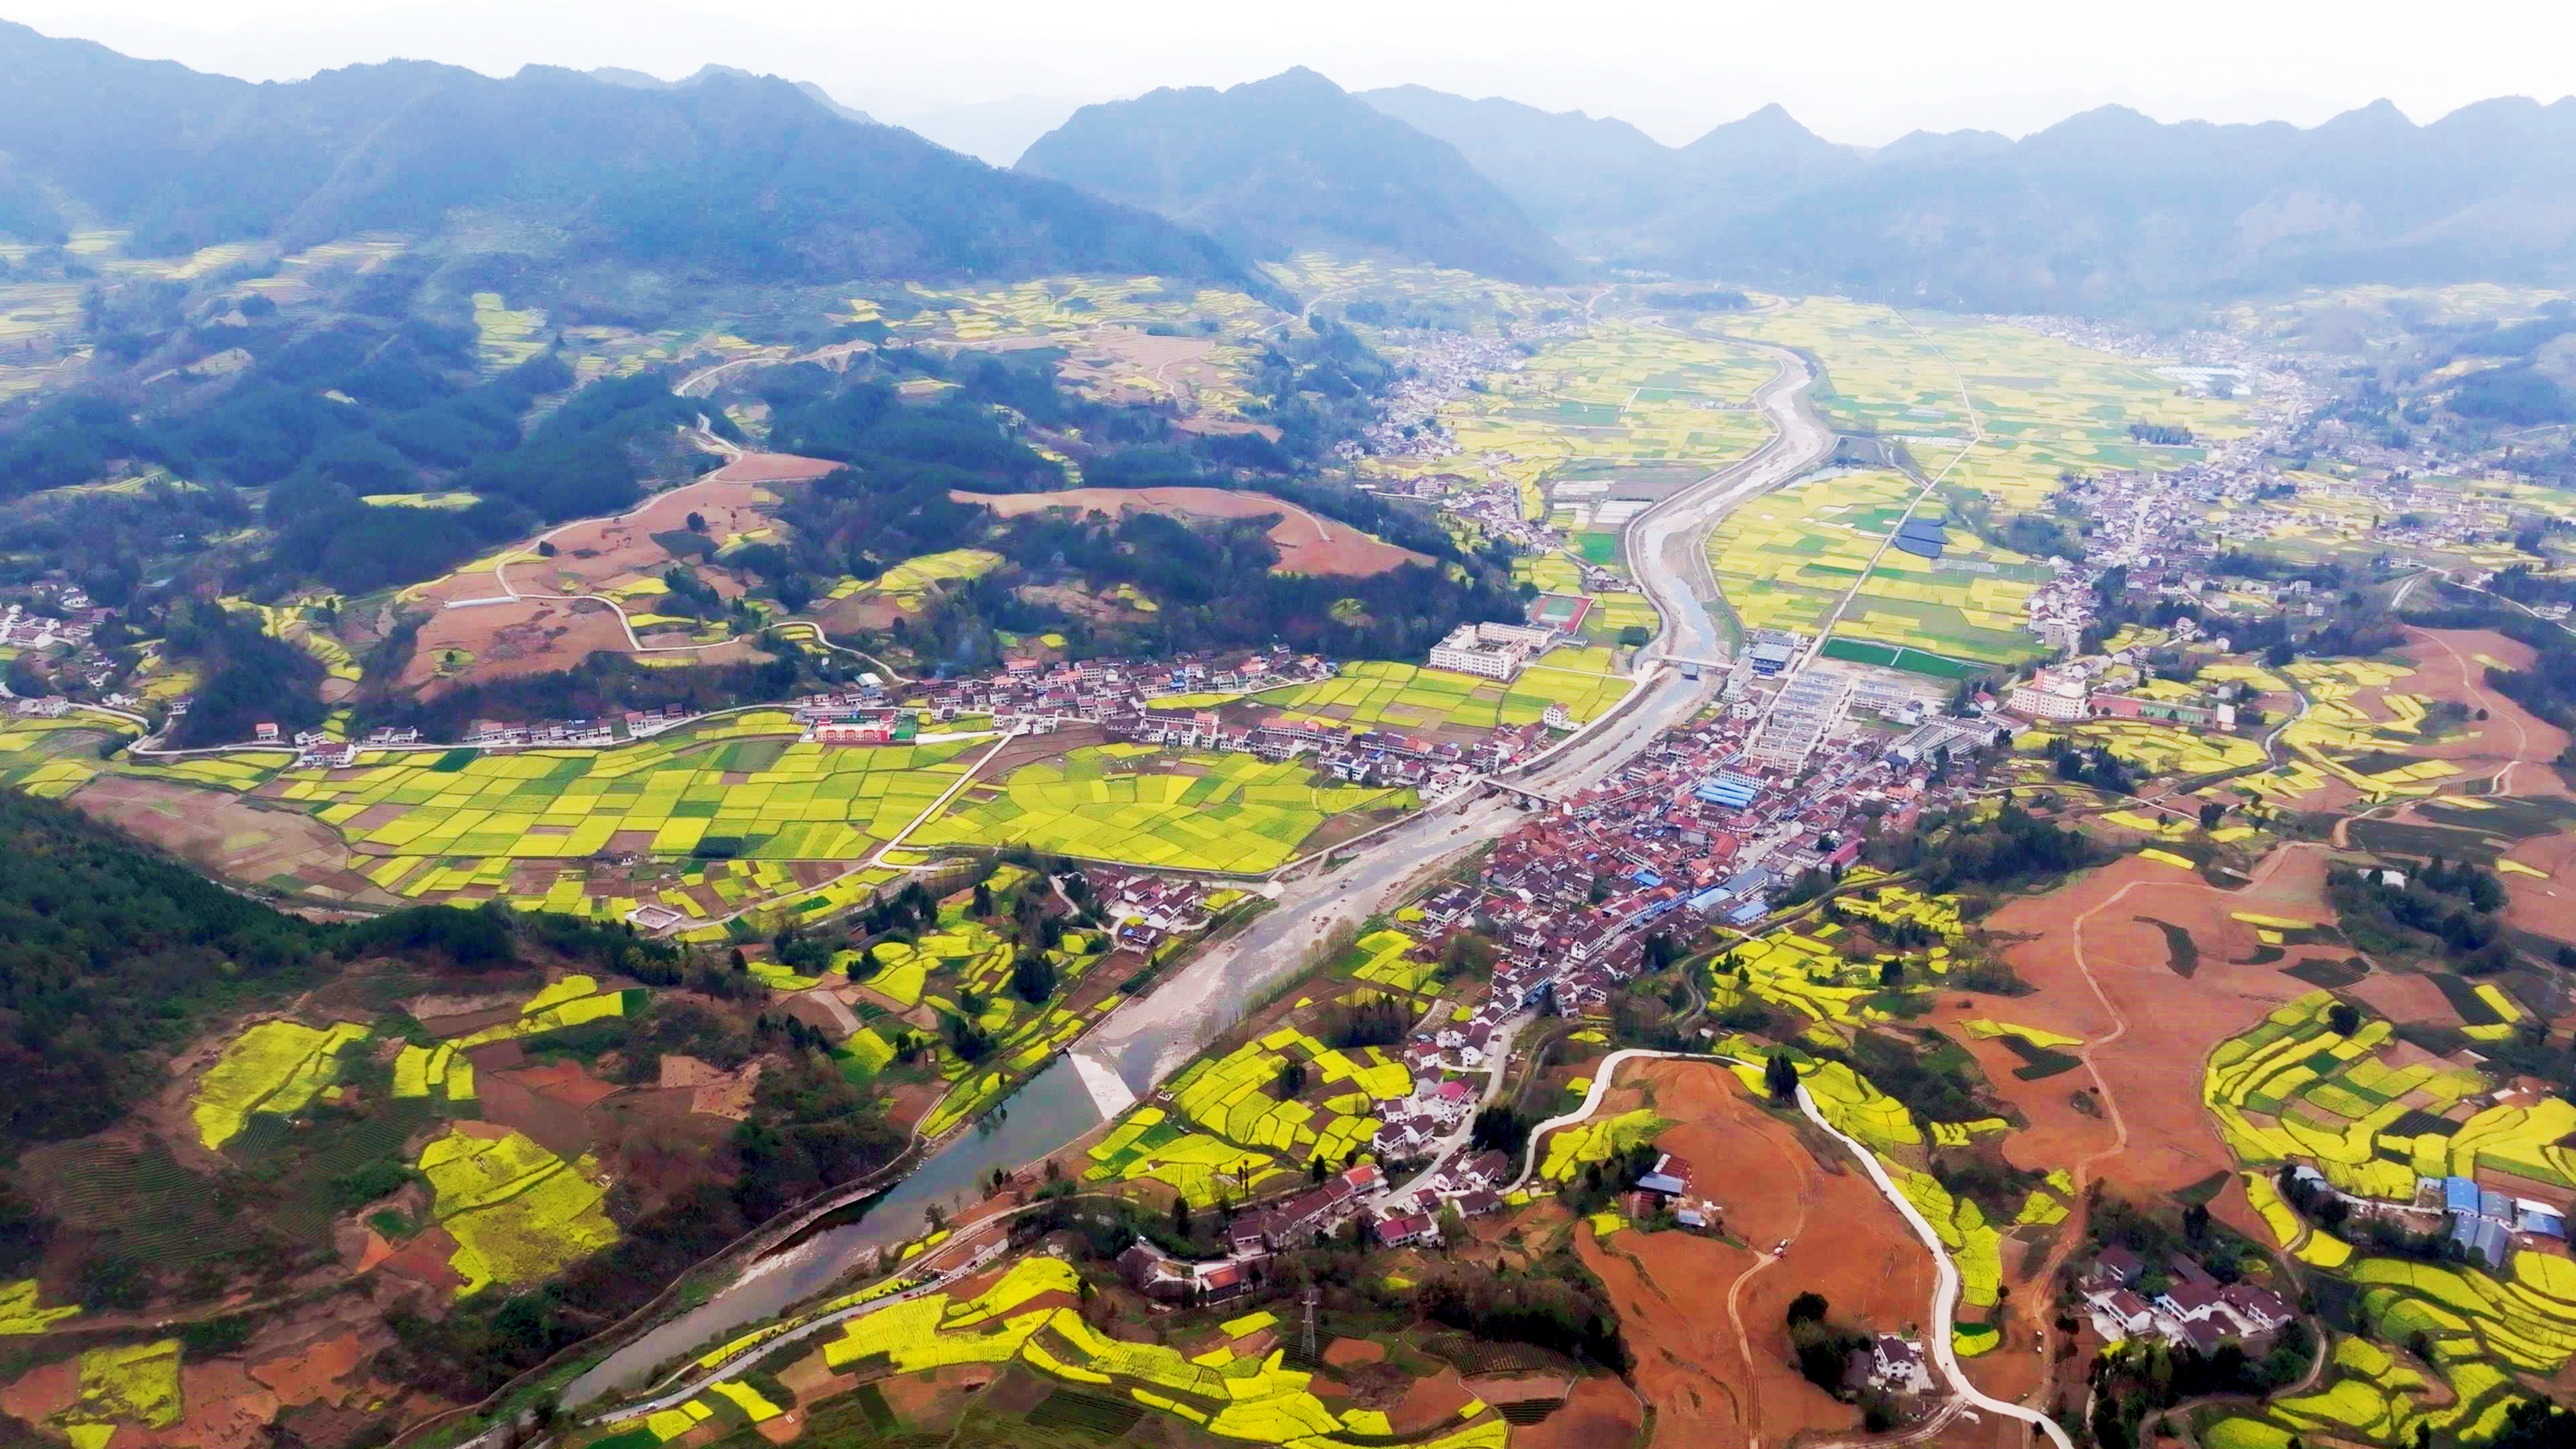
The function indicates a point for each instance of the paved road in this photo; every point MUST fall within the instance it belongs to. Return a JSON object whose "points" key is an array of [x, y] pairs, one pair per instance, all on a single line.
{"points": [[1152, 1037]]}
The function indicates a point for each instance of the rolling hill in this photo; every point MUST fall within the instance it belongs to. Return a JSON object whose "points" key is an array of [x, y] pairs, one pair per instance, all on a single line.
{"points": [[1295, 161]]}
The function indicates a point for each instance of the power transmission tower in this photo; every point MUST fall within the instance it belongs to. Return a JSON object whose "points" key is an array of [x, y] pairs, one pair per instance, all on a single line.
{"points": [[1306, 1346]]}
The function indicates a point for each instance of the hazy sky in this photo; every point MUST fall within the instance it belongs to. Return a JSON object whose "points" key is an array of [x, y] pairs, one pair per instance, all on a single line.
{"points": [[1860, 70]]}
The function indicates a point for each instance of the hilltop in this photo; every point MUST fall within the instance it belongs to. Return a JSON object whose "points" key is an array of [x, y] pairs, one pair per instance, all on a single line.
{"points": [[1294, 162]]}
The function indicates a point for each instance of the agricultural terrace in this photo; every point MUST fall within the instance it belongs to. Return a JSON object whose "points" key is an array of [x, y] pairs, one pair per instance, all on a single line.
{"points": [[1786, 559], [519, 1214], [940, 974], [751, 814], [1256, 1116], [276, 1067], [2150, 746], [2045, 405], [1630, 409], [2355, 729], [49, 758], [2374, 1114], [1124, 340], [1376, 693], [1829, 980], [1134, 804], [1028, 1321]]}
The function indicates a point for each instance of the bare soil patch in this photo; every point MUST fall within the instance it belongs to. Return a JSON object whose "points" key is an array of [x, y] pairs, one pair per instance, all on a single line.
{"points": [[1599, 1411], [512, 637], [1308, 544], [227, 836], [1344, 1352], [1429, 1403], [2509, 738], [2153, 1067], [314, 1375]]}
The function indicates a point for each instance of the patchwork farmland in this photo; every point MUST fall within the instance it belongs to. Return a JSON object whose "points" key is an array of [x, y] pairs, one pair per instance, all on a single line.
{"points": [[1785, 561]]}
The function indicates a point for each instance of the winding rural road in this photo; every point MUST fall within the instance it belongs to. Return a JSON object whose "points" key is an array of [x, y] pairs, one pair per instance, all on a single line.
{"points": [[1946, 1288]]}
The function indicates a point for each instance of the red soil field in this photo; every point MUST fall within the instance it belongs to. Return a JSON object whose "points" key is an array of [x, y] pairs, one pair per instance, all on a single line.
{"points": [[1307, 544], [313, 1375], [511, 638], [2148, 1030], [2510, 740], [1681, 1297], [773, 468], [1599, 1411]]}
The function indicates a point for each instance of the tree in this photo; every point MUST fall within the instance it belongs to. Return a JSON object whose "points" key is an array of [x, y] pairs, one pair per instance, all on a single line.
{"points": [[2344, 1018], [2279, 655], [2211, 812], [983, 899], [697, 523], [1891, 973], [1033, 977], [1634, 636], [1780, 1075], [1807, 1308], [1181, 1216], [739, 962]]}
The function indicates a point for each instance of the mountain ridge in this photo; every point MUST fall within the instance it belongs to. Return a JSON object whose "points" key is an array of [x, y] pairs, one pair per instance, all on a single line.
{"points": [[1294, 161], [725, 173]]}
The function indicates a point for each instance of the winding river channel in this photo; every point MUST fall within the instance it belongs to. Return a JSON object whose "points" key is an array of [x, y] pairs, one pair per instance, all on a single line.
{"points": [[1149, 1038]]}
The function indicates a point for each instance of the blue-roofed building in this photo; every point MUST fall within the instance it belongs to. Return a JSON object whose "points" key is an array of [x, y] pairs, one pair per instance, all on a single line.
{"points": [[1708, 900], [1644, 877], [2483, 1240], [1747, 913], [1732, 794], [2493, 1204], [2541, 1220], [1771, 658], [2459, 1195], [1750, 880]]}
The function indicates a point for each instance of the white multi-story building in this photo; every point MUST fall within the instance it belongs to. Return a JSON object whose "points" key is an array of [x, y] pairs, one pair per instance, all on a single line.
{"points": [[1491, 651], [2046, 698]]}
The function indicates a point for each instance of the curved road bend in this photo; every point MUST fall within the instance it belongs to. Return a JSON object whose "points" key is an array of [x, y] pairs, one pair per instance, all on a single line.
{"points": [[1147, 1040], [1947, 1285]]}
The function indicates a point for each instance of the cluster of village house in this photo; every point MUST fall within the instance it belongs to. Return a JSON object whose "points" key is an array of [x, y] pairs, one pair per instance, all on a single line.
{"points": [[2188, 1308]]}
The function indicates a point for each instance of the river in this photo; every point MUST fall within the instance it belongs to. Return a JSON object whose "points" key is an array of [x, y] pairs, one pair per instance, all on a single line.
{"points": [[1148, 1038]]}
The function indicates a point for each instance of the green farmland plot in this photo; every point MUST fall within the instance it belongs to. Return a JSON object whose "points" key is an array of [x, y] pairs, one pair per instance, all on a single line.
{"points": [[1132, 804], [2045, 405], [1381, 694], [774, 800], [1785, 560]]}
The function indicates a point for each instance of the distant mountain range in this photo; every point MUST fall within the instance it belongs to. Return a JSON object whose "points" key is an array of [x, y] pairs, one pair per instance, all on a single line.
{"points": [[724, 174], [730, 175], [2104, 209], [1292, 162]]}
